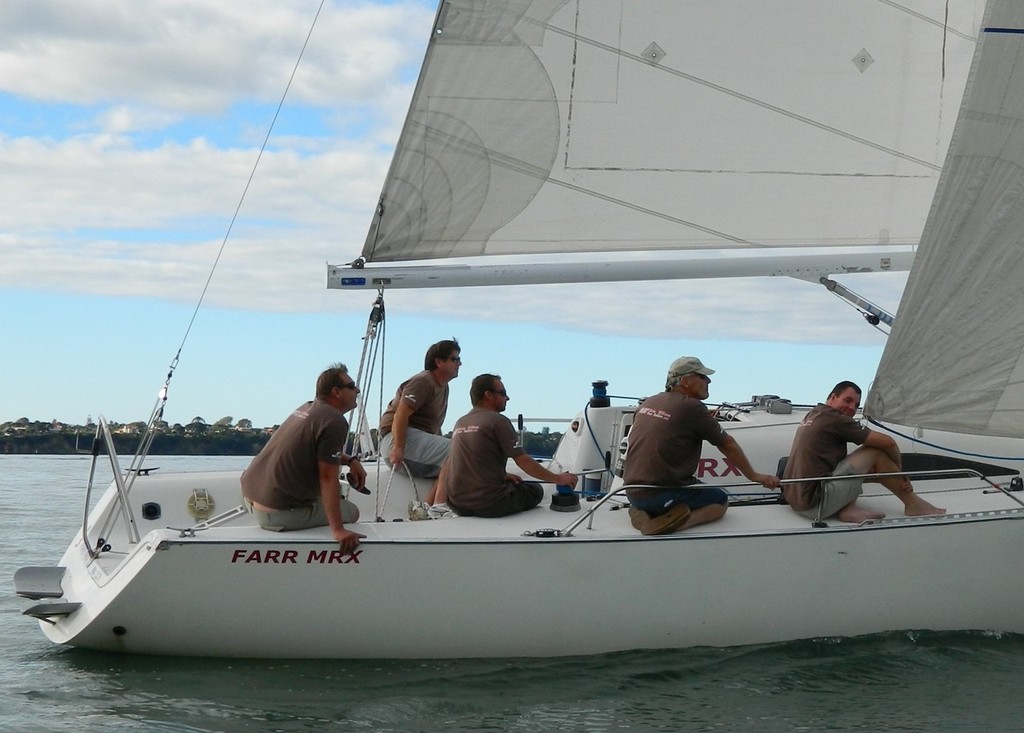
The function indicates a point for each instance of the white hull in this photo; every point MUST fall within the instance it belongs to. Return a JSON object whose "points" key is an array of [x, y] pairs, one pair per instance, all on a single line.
{"points": [[469, 587]]}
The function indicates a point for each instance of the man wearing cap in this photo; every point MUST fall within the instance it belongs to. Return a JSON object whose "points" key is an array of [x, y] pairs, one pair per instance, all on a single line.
{"points": [[664, 450], [819, 449]]}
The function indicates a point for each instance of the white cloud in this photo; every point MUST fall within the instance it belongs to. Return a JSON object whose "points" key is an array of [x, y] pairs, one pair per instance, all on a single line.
{"points": [[753, 309], [124, 118], [199, 56], [107, 210]]}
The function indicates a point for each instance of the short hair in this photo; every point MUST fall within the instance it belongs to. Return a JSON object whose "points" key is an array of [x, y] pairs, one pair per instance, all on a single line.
{"points": [[441, 350], [331, 377], [482, 383], [843, 386]]}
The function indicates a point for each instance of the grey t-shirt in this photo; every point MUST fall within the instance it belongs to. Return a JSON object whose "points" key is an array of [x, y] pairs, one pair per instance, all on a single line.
{"points": [[666, 439], [482, 443], [819, 445], [428, 400], [286, 474]]}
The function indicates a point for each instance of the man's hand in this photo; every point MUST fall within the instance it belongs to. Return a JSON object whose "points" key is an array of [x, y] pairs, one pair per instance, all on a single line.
{"points": [[347, 539], [767, 480], [357, 476], [568, 479]]}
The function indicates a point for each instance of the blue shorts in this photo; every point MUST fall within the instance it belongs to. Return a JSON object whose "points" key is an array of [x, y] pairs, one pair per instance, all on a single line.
{"points": [[658, 501]]}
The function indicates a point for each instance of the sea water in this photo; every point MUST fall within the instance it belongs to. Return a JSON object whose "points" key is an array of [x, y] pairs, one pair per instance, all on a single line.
{"points": [[889, 682]]}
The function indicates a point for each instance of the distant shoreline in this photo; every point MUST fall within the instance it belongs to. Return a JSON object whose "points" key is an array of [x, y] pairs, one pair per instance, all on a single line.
{"points": [[40, 439], [231, 443]]}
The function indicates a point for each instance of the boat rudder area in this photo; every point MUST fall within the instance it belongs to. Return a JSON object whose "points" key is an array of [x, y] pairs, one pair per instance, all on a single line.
{"points": [[43, 584]]}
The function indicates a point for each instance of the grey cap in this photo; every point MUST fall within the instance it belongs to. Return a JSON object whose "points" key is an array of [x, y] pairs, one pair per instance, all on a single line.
{"points": [[685, 365]]}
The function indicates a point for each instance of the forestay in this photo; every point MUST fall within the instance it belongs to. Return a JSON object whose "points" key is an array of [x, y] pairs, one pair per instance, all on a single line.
{"points": [[553, 126], [954, 359]]}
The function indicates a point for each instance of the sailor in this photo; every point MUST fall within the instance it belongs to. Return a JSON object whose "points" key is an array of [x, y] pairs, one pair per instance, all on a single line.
{"points": [[669, 430], [482, 443], [820, 449], [410, 427], [293, 482]]}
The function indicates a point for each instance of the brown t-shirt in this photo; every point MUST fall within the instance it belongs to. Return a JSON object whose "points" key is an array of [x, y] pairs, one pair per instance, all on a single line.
{"points": [[285, 474], [428, 400], [666, 440], [818, 447], [482, 443]]}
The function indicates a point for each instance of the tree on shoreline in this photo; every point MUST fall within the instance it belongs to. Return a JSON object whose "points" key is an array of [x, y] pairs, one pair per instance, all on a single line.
{"points": [[24, 436]]}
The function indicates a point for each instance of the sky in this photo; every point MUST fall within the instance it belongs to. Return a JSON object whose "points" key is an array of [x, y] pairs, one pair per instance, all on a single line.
{"points": [[128, 133]]}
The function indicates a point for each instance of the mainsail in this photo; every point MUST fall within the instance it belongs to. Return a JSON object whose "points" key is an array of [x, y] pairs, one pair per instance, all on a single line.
{"points": [[554, 126], [955, 359]]}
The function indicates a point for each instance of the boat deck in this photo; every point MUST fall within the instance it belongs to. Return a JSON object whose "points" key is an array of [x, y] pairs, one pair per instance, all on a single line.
{"points": [[595, 520]]}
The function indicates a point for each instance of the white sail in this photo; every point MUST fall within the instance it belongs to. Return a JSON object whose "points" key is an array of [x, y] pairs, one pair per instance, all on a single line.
{"points": [[955, 359], [559, 126]]}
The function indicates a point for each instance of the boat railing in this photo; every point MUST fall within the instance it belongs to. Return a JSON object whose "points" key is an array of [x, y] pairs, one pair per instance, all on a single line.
{"points": [[934, 474], [105, 438], [615, 494]]}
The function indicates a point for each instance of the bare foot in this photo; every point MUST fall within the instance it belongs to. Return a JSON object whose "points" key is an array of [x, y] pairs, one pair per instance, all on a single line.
{"points": [[918, 507], [855, 515]]}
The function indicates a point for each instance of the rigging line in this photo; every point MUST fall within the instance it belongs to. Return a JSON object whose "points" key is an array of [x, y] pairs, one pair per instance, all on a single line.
{"points": [[912, 439], [380, 501], [245, 189], [942, 24], [741, 96]]}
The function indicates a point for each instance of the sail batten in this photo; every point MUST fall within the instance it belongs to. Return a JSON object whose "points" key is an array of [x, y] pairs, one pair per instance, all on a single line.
{"points": [[570, 126]]}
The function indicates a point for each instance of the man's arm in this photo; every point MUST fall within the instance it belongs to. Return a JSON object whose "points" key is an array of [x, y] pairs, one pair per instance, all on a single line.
{"points": [[356, 473], [330, 496], [537, 471], [399, 426], [732, 451]]}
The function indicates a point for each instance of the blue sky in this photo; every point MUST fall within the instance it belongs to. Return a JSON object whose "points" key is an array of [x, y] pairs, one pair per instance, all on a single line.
{"points": [[127, 136]]}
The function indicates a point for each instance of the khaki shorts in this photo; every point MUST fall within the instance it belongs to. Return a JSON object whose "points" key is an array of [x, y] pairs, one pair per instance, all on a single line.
{"points": [[837, 494], [424, 452], [303, 517]]}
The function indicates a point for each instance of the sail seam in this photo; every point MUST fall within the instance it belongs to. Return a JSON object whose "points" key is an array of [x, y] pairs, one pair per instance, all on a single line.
{"points": [[741, 96]]}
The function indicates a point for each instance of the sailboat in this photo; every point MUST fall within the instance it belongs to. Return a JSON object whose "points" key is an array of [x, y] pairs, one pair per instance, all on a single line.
{"points": [[877, 136]]}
